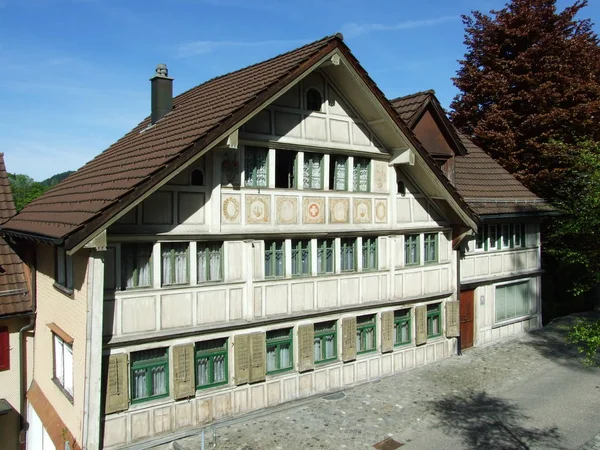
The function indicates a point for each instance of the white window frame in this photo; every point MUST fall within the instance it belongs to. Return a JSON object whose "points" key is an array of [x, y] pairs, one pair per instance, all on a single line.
{"points": [[532, 302], [63, 364]]}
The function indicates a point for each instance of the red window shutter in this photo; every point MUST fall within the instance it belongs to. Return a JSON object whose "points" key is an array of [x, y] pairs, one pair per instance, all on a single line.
{"points": [[4, 349]]}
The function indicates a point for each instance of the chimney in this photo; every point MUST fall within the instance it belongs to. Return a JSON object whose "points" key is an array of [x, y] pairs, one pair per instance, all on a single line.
{"points": [[162, 93]]}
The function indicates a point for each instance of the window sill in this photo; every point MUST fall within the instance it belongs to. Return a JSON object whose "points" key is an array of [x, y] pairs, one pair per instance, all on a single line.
{"points": [[63, 290], [137, 401], [325, 362], [280, 371], [209, 387], [512, 321], [366, 352], [62, 389]]}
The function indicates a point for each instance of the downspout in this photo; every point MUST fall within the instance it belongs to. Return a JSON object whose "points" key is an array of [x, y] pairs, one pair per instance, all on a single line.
{"points": [[459, 338]]}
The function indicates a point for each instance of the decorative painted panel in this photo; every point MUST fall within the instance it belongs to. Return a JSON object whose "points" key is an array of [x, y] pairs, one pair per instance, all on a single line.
{"points": [[380, 176], [258, 209], [230, 168], [287, 210], [362, 210], [230, 209], [339, 210], [313, 210], [380, 211]]}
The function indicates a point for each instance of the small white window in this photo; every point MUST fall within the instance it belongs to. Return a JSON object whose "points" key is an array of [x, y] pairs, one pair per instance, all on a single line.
{"points": [[63, 364], [314, 101]]}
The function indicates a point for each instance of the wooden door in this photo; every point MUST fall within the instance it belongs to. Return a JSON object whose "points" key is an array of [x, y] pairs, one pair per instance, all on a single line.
{"points": [[466, 318]]}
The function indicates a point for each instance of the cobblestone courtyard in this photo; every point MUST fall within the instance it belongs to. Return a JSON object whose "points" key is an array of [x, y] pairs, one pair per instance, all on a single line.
{"points": [[462, 397]]}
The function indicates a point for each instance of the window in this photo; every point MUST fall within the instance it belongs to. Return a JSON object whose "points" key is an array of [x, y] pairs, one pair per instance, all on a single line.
{"points": [[434, 320], [64, 268], [402, 327], [174, 263], [480, 239], [365, 333], [197, 178], [431, 247], [338, 174], [301, 257], [312, 171], [411, 249], [149, 374], [512, 301], [110, 269], [492, 235], [325, 256], [325, 341], [63, 364], [211, 363], [280, 355], [369, 253], [136, 265], [361, 174], [313, 100], [274, 259], [348, 263], [210, 257], [285, 169], [507, 235], [255, 167], [4, 349], [519, 235]]}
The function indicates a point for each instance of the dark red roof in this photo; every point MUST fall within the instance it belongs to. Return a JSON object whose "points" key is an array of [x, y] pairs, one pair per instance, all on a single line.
{"points": [[483, 183], [14, 294]]}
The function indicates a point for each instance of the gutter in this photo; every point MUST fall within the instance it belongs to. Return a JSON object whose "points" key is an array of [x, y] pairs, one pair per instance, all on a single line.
{"points": [[31, 237]]}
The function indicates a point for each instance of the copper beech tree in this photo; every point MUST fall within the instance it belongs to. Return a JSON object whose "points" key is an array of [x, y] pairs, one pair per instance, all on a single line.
{"points": [[530, 79]]}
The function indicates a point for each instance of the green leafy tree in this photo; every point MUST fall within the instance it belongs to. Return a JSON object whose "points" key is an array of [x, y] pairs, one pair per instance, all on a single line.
{"points": [[586, 335], [530, 78], [24, 189]]}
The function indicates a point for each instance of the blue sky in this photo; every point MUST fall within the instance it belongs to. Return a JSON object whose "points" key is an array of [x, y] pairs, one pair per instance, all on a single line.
{"points": [[75, 72]]}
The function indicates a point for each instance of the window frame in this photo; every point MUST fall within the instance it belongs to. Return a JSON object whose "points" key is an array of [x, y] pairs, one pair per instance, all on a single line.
{"points": [[297, 253], [148, 365], [399, 321], [311, 175], [60, 378], [344, 248], [277, 342], [172, 263], [211, 354], [322, 335], [208, 247], [370, 245], [254, 151], [358, 163], [271, 248], [136, 246], [362, 328], [408, 246], [333, 173], [428, 240], [529, 307], [434, 310], [322, 249], [63, 269]]}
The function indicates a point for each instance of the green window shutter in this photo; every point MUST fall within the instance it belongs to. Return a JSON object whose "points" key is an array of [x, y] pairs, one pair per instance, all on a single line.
{"points": [[452, 319], [306, 354], [117, 398], [258, 363], [421, 324], [241, 349], [349, 339], [387, 331], [183, 380]]}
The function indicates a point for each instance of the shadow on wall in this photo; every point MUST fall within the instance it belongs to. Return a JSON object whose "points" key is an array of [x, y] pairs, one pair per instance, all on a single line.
{"points": [[483, 421]]}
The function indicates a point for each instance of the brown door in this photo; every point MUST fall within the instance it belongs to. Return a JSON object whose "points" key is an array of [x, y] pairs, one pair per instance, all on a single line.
{"points": [[466, 318]]}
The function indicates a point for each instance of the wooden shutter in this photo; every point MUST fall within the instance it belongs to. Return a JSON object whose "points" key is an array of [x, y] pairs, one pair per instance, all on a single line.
{"points": [[183, 380], [452, 319], [241, 350], [117, 398], [349, 339], [306, 353], [387, 331], [258, 352], [4, 349], [421, 324]]}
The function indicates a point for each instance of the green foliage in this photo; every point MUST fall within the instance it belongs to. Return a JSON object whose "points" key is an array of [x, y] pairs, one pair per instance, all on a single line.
{"points": [[586, 335], [25, 189]]}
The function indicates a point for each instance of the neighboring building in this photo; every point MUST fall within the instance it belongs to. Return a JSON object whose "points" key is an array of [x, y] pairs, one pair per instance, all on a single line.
{"points": [[16, 321], [271, 234], [500, 269]]}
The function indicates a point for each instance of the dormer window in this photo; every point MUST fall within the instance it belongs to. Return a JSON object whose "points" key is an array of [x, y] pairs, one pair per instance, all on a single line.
{"points": [[314, 101], [197, 178]]}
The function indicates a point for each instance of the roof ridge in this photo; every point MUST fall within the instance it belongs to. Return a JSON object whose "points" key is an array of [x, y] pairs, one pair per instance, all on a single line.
{"points": [[405, 97]]}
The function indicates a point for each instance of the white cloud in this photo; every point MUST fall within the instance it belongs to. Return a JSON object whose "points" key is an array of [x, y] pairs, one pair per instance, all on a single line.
{"points": [[357, 29], [202, 47]]}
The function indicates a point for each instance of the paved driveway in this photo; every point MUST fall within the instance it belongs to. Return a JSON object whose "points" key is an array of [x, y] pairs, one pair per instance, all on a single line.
{"points": [[526, 392]]}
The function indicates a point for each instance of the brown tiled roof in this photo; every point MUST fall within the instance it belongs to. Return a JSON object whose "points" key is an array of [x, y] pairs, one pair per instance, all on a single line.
{"points": [[14, 294], [89, 198], [411, 105], [102, 187], [483, 183]]}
